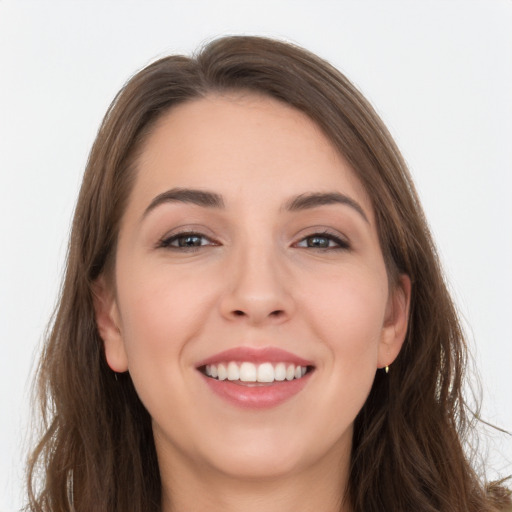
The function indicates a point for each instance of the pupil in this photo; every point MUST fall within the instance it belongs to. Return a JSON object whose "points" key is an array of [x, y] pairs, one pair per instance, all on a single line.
{"points": [[318, 241], [190, 241]]}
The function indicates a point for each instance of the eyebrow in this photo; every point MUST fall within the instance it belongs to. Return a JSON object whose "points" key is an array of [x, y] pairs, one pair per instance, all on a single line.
{"points": [[186, 195], [316, 199], [207, 199]]}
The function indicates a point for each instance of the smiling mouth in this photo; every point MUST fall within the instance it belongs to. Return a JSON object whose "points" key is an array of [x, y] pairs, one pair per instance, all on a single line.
{"points": [[248, 373]]}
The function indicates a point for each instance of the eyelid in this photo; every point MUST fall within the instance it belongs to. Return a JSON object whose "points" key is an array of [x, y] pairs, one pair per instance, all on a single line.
{"points": [[341, 241], [166, 241]]}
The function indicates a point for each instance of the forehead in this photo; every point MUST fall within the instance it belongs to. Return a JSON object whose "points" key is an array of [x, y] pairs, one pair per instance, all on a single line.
{"points": [[242, 145]]}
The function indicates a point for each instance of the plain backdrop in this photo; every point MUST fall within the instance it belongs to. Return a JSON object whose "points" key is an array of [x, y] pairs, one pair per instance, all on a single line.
{"points": [[438, 72]]}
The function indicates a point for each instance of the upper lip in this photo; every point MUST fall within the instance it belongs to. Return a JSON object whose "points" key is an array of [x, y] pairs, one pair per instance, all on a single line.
{"points": [[255, 355]]}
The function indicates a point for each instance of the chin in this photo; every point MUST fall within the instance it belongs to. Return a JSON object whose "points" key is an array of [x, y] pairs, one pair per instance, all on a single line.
{"points": [[266, 454], [264, 466]]}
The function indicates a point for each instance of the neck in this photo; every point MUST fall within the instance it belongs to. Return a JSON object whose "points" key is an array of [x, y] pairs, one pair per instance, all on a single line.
{"points": [[320, 487]]}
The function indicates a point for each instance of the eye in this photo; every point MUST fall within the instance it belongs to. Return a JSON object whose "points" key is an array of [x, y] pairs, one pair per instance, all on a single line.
{"points": [[185, 241], [326, 241]]}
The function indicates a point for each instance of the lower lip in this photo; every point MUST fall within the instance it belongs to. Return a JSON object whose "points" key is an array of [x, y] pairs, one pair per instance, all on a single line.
{"points": [[257, 396]]}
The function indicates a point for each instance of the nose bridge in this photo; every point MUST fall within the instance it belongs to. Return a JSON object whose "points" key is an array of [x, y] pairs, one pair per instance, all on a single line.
{"points": [[257, 287]]}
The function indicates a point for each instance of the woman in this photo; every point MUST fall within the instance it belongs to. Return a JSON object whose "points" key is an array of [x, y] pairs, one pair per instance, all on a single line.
{"points": [[253, 314]]}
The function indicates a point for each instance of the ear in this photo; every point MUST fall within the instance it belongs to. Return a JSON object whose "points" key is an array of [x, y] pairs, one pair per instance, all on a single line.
{"points": [[108, 323], [396, 321]]}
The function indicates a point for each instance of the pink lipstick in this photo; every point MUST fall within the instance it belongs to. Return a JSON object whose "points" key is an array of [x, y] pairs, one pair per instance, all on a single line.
{"points": [[255, 378]]}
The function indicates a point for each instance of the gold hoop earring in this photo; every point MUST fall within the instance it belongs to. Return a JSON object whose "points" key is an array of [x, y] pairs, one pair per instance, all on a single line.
{"points": [[386, 369]]}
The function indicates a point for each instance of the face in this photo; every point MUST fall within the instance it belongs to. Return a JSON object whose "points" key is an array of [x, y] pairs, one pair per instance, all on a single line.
{"points": [[251, 305]]}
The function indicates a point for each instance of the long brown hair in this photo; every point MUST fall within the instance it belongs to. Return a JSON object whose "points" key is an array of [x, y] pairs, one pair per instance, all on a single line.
{"points": [[97, 452]]}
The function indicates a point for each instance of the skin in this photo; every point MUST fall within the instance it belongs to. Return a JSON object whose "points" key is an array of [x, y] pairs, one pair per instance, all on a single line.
{"points": [[254, 282]]}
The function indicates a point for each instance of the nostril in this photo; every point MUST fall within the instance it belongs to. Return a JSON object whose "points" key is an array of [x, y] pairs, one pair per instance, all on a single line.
{"points": [[277, 313]]}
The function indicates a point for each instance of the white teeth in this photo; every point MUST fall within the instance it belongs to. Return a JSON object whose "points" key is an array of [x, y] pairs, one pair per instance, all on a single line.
{"points": [[222, 373], [233, 371], [266, 373], [250, 372], [247, 372], [280, 371]]}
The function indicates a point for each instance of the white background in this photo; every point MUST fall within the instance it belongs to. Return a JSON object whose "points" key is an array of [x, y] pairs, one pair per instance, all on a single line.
{"points": [[438, 72]]}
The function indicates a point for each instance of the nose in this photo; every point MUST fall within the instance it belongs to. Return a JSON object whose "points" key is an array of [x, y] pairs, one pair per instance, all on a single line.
{"points": [[257, 288]]}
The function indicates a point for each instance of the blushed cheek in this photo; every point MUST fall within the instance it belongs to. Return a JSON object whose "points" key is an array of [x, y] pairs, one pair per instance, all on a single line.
{"points": [[161, 314], [157, 325], [354, 320]]}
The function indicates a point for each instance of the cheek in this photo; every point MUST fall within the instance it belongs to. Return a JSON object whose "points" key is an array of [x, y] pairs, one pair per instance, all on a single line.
{"points": [[161, 312], [347, 313], [349, 308], [344, 315]]}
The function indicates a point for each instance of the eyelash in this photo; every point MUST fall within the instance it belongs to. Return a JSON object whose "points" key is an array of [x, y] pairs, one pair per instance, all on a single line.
{"points": [[167, 242], [340, 243]]}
